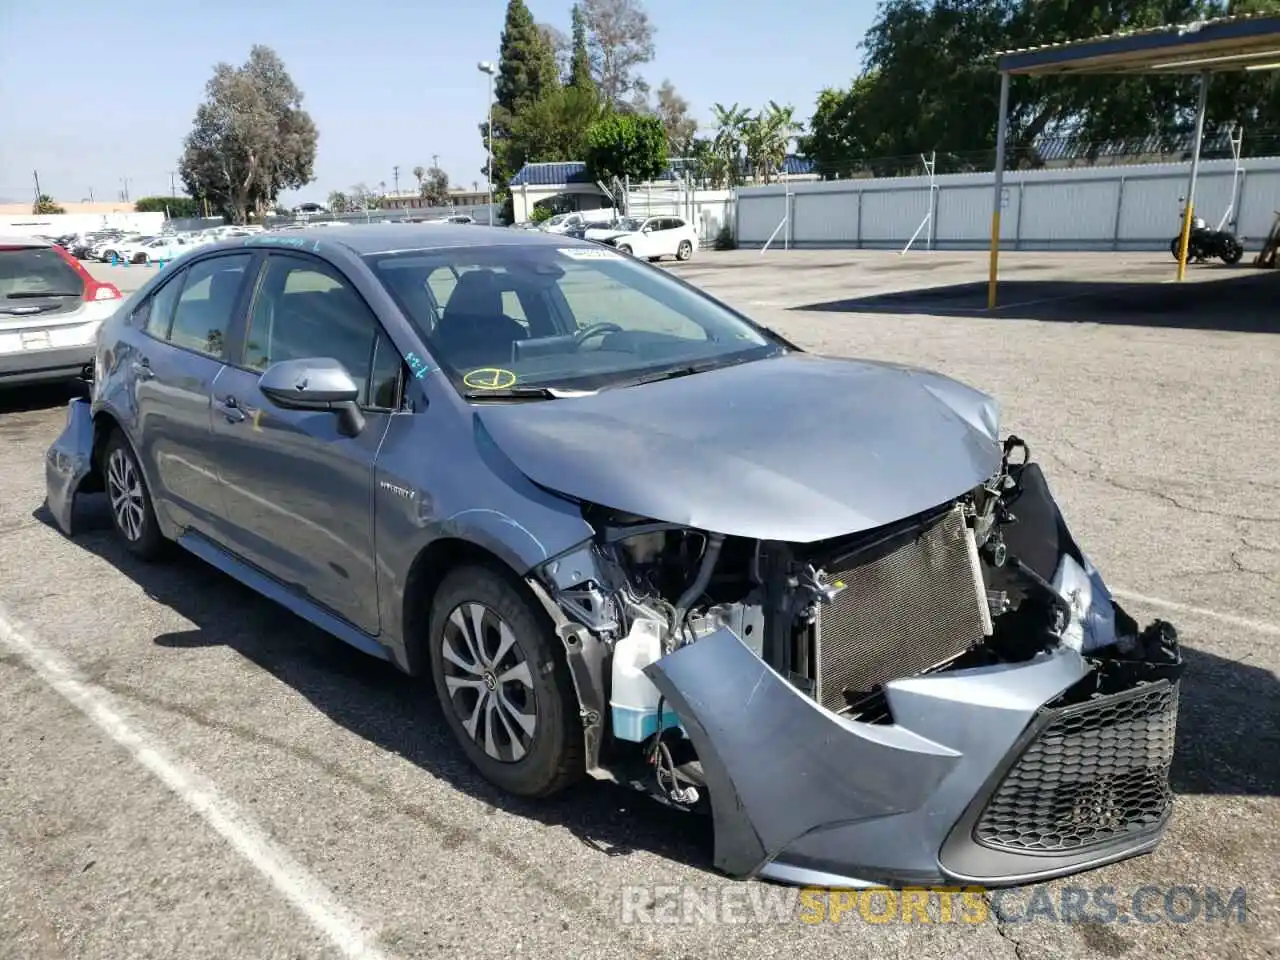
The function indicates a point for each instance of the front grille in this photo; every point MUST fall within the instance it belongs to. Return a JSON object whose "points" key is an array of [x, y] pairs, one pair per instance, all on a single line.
{"points": [[1096, 772], [906, 607]]}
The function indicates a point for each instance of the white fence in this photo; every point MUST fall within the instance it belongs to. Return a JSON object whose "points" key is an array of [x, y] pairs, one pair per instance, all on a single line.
{"points": [[708, 210], [1108, 208], [58, 224]]}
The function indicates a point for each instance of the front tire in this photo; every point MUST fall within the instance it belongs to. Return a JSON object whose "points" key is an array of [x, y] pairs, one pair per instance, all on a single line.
{"points": [[1232, 251], [132, 512], [504, 690], [684, 251], [624, 249]]}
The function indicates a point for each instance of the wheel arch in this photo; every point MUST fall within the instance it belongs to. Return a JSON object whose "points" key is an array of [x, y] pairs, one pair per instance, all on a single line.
{"points": [[433, 563]]}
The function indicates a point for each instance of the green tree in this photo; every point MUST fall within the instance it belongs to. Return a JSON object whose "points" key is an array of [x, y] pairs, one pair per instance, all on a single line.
{"points": [[731, 124], [434, 186], [554, 127], [338, 202], [46, 206], [626, 145], [251, 139], [580, 59], [178, 207], [938, 57], [526, 71]]}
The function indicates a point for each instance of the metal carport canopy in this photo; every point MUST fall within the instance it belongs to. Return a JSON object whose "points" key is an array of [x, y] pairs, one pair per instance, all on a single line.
{"points": [[1247, 42]]}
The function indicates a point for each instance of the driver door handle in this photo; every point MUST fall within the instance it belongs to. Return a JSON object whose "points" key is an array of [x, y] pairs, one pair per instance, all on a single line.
{"points": [[231, 410]]}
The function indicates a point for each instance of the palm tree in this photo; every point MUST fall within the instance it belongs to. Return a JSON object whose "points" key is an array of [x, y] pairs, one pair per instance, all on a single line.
{"points": [[729, 122], [780, 128], [418, 174]]}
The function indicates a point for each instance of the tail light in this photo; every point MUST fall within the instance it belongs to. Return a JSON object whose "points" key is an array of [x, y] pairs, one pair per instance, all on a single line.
{"points": [[93, 289]]}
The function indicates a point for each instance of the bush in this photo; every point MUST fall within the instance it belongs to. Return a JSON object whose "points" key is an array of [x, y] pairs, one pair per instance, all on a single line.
{"points": [[724, 239], [540, 213]]}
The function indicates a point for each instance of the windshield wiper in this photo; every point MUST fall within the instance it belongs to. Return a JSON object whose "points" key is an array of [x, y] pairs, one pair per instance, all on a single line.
{"points": [[37, 295], [526, 393]]}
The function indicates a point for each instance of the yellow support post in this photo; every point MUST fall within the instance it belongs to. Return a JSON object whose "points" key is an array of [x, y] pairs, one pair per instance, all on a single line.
{"points": [[1183, 242], [998, 200]]}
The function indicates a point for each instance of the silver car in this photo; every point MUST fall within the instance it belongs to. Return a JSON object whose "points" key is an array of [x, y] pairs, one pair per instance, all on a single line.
{"points": [[50, 311], [627, 533]]}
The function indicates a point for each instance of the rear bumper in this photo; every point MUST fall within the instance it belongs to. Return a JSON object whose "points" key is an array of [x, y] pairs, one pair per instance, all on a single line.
{"points": [[33, 366], [68, 462], [991, 776]]}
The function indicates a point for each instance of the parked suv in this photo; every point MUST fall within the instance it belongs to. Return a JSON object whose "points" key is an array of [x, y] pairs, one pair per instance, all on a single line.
{"points": [[50, 311]]}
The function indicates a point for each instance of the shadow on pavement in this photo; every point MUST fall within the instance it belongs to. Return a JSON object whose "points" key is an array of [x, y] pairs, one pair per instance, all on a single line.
{"points": [[372, 699], [1241, 301]]}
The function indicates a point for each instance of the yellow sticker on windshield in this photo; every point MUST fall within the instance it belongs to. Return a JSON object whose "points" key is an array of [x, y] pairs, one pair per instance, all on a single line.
{"points": [[490, 378]]}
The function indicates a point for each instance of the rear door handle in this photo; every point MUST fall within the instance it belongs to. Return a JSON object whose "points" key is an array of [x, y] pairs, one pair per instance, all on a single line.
{"points": [[231, 411], [142, 369]]}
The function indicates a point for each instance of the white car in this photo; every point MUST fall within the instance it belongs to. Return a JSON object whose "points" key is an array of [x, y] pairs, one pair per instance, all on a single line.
{"points": [[50, 311], [111, 246], [652, 238], [155, 249]]}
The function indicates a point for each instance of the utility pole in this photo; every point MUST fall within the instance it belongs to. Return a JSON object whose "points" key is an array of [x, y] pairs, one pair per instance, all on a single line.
{"points": [[173, 191], [395, 175], [91, 194], [435, 160], [35, 175], [124, 193]]}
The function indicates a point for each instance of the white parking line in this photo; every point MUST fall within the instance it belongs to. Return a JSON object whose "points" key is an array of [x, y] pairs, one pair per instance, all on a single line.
{"points": [[1259, 625], [343, 929]]}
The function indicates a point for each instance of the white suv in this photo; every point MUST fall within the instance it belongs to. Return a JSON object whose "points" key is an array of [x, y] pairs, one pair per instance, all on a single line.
{"points": [[50, 311], [652, 238]]}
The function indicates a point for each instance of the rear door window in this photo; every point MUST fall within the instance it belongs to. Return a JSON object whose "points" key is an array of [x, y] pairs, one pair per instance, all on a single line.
{"points": [[206, 306]]}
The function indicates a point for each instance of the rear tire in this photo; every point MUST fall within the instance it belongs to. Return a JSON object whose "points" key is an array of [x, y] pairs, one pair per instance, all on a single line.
{"points": [[1174, 246], [624, 249], [684, 251], [503, 687], [132, 512], [1233, 250]]}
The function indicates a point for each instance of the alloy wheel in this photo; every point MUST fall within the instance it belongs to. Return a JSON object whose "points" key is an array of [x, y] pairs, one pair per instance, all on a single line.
{"points": [[124, 487], [489, 683]]}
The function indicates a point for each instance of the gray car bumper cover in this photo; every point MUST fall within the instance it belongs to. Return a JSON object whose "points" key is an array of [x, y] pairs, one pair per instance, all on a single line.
{"points": [[68, 461], [799, 794]]}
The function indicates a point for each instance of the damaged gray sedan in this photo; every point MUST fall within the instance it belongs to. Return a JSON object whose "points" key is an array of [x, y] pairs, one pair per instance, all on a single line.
{"points": [[629, 534]]}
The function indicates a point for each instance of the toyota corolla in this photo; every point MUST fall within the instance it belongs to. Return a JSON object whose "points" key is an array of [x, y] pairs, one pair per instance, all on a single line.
{"points": [[624, 532]]}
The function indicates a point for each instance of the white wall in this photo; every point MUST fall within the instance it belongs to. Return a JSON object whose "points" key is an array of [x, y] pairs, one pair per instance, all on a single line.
{"points": [[1095, 208], [56, 225]]}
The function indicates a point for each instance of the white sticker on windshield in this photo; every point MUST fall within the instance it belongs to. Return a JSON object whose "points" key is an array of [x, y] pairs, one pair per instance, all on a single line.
{"points": [[588, 253]]}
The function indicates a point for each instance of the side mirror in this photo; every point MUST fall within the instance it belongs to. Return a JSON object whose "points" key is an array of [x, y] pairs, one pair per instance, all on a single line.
{"points": [[317, 383]]}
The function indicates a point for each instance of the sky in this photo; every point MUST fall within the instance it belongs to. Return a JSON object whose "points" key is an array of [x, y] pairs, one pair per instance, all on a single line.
{"points": [[92, 93]]}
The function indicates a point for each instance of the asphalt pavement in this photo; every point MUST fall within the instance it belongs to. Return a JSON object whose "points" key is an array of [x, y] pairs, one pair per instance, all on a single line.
{"points": [[187, 770]]}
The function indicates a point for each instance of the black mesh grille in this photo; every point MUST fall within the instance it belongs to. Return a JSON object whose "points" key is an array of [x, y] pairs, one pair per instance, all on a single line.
{"points": [[1097, 771], [906, 609]]}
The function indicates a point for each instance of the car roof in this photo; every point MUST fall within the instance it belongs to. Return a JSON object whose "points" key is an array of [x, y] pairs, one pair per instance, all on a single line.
{"points": [[368, 238], [23, 240]]}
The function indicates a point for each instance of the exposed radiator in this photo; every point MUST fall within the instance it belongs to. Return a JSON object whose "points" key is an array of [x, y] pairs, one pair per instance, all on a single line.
{"points": [[908, 604]]}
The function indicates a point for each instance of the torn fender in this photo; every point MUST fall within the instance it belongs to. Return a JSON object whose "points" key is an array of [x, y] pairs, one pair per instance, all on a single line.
{"points": [[68, 462]]}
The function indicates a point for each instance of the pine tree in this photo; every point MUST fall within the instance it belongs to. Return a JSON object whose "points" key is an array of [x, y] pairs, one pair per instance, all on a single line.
{"points": [[527, 64], [580, 66]]}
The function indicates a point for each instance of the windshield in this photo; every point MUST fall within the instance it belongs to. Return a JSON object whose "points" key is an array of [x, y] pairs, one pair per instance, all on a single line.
{"points": [[630, 224], [574, 318]]}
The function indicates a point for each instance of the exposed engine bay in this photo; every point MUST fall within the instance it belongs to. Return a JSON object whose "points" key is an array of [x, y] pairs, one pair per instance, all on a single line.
{"points": [[991, 577]]}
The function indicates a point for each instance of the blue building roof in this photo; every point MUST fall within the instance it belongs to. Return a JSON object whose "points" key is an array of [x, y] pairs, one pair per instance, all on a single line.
{"points": [[575, 171]]}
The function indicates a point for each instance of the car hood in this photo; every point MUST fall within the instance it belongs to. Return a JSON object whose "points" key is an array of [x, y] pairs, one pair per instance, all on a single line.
{"points": [[797, 447]]}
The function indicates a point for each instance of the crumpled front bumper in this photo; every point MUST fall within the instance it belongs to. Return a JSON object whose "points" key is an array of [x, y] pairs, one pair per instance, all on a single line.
{"points": [[801, 795], [68, 462]]}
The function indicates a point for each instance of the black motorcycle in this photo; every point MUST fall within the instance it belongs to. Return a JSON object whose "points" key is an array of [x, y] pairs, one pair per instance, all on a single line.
{"points": [[1205, 244]]}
